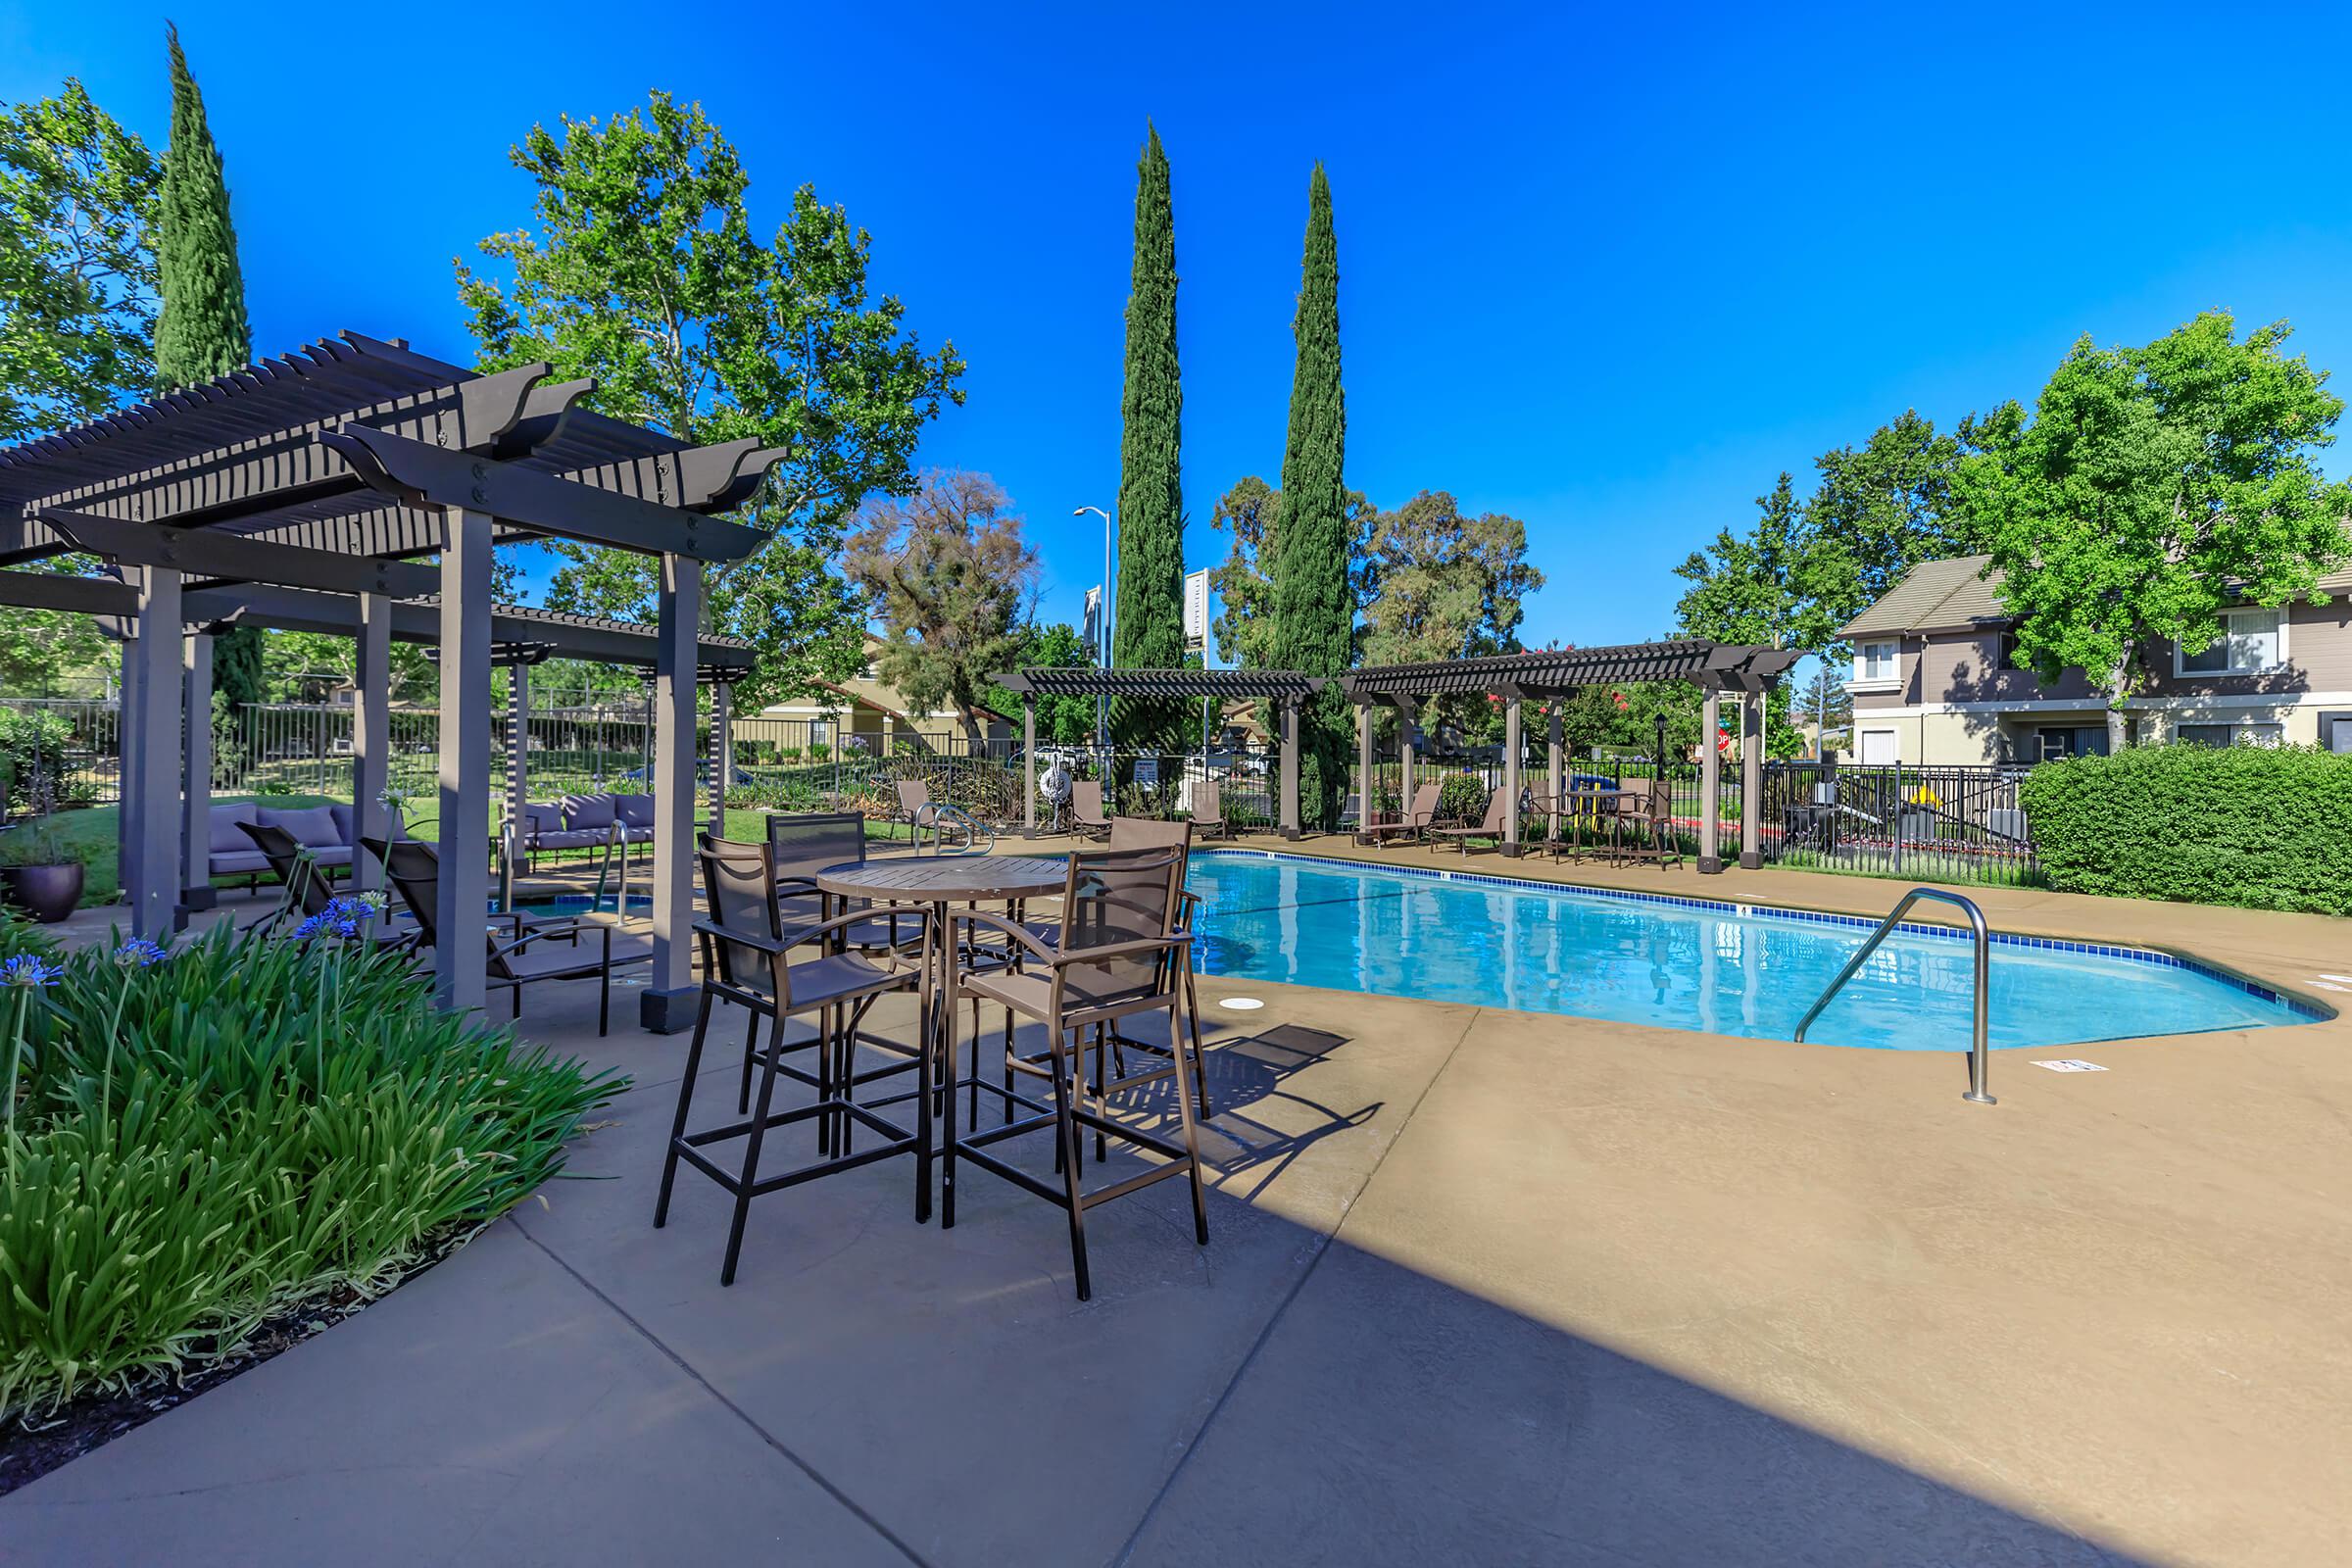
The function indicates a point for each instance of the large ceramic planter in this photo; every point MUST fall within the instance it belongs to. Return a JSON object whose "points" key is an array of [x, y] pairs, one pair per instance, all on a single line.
{"points": [[47, 892]]}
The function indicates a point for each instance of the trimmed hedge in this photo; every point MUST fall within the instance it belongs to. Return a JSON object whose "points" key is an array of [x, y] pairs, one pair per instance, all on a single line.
{"points": [[2260, 827]]}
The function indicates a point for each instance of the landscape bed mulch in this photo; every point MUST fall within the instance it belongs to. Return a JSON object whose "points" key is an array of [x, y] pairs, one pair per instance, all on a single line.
{"points": [[34, 1445]]}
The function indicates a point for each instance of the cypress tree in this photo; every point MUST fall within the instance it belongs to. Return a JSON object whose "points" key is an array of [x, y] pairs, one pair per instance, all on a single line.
{"points": [[202, 332], [1149, 633], [1314, 616]]}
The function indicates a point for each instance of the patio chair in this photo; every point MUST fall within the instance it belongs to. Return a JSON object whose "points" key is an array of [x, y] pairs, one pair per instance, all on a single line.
{"points": [[1114, 960], [799, 847], [1494, 825], [1087, 820], [747, 954], [1414, 823], [1645, 818], [538, 950], [1209, 814], [309, 887], [917, 810]]}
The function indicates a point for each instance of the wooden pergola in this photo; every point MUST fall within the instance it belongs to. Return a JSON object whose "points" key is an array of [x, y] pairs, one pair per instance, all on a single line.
{"points": [[1745, 670], [1287, 688], [310, 491]]}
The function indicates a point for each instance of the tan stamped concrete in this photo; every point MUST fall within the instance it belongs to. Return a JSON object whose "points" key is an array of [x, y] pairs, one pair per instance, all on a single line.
{"points": [[1483, 1287]]}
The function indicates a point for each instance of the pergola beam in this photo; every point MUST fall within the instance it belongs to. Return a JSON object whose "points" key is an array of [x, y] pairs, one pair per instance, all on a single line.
{"points": [[232, 557], [572, 508]]}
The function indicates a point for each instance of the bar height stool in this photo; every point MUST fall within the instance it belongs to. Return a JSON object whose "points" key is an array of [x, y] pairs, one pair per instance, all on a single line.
{"points": [[746, 960], [1116, 957]]}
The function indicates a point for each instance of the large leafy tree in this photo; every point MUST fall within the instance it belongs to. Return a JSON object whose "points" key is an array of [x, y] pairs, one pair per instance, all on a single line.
{"points": [[1069, 720], [202, 332], [1755, 587], [952, 579], [1150, 629], [2151, 488], [643, 270], [78, 305], [77, 277], [1251, 511], [1314, 605], [1447, 585], [1880, 510]]}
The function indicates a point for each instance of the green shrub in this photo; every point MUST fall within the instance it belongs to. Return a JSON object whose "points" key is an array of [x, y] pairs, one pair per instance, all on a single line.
{"points": [[201, 1142], [1463, 796], [2263, 827]]}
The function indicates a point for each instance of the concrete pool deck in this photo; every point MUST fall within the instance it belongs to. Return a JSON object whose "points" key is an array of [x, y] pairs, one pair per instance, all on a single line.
{"points": [[1483, 1287]]}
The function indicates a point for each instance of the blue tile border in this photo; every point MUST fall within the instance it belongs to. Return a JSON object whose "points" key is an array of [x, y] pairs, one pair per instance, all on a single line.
{"points": [[1918, 928]]}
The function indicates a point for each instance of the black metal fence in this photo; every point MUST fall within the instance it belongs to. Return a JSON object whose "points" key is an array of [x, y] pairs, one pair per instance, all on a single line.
{"points": [[1942, 824]]}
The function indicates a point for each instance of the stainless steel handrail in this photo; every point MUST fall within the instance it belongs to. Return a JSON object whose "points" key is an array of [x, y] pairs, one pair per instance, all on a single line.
{"points": [[1978, 1053]]}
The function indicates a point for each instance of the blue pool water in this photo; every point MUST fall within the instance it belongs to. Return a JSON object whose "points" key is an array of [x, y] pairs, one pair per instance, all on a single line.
{"points": [[1681, 964], [564, 906]]}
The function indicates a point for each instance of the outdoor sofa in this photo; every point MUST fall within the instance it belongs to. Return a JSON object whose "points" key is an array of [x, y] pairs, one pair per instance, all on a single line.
{"points": [[325, 831]]}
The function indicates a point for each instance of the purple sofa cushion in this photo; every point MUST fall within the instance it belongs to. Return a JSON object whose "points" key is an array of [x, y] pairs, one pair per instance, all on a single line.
{"points": [[227, 837], [587, 810], [636, 810], [313, 829]]}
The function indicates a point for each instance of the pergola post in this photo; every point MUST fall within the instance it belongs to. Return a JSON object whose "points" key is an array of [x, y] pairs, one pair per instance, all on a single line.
{"points": [[1028, 764], [196, 777], [518, 736], [1751, 777], [372, 737], [1290, 768], [1512, 739], [1364, 793], [667, 1005], [1408, 714], [126, 748], [151, 874], [1557, 757], [1711, 785], [722, 752], [462, 896]]}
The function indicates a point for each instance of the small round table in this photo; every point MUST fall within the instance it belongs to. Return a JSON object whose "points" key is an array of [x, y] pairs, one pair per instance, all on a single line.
{"points": [[940, 881]]}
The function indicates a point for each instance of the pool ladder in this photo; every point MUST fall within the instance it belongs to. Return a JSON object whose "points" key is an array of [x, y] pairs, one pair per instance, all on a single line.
{"points": [[1978, 1052]]}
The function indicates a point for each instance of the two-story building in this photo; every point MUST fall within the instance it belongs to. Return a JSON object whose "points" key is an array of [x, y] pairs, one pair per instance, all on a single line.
{"points": [[1934, 681]]}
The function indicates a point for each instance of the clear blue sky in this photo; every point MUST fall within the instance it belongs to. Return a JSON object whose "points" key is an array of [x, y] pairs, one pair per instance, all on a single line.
{"points": [[1609, 272]]}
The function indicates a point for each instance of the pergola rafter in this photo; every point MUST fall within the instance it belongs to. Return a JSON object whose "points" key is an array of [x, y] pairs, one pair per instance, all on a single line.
{"points": [[308, 479]]}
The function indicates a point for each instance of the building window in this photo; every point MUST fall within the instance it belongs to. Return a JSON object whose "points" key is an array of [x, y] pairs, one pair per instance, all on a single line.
{"points": [[2252, 641], [2057, 742], [2251, 733], [1874, 662]]}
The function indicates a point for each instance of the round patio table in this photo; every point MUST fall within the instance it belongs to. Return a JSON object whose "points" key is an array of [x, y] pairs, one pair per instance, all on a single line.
{"points": [[940, 881]]}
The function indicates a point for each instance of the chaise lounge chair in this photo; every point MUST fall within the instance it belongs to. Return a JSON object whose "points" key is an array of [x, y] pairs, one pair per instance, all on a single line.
{"points": [[540, 950], [1086, 810], [1209, 814], [1414, 823], [1490, 826]]}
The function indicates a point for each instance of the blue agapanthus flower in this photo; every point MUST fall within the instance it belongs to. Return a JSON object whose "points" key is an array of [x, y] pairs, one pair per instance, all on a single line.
{"points": [[343, 916], [30, 971], [139, 955]]}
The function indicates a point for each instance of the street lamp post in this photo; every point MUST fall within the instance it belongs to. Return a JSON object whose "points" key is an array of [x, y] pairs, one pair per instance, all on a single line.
{"points": [[1110, 599]]}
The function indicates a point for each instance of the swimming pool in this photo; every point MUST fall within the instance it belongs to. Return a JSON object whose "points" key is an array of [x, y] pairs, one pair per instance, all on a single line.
{"points": [[1685, 964]]}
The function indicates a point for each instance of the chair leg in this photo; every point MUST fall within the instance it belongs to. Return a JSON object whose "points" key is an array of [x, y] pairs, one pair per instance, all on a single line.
{"points": [[946, 1135], [1192, 1137], [678, 1126], [751, 1042], [1101, 1139], [1007, 1069], [750, 1151], [1070, 1074], [1191, 1009]]}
